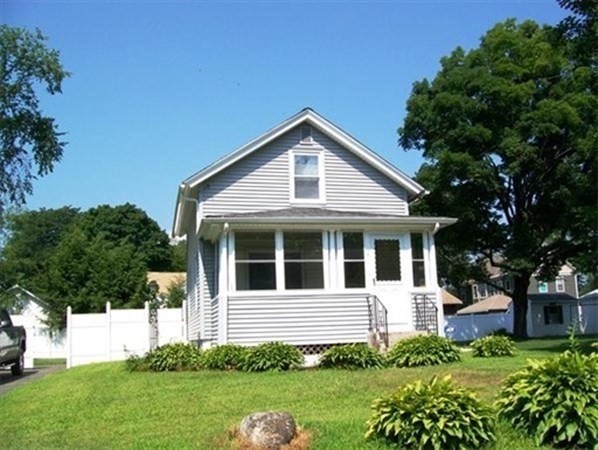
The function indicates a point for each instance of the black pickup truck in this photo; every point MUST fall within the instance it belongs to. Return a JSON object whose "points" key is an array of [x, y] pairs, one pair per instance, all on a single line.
{"points": [[13, 343]]}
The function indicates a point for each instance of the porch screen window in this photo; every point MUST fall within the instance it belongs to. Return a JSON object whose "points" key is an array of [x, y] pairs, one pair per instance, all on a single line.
{"points": [[553, 314], [354, 260], [306, 177], [303, 260], [417, 258], [255, 261], [388, 260]]}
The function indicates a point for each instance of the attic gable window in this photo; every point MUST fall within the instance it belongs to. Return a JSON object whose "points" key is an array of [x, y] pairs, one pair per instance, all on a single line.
{"points": [[306, 173]]}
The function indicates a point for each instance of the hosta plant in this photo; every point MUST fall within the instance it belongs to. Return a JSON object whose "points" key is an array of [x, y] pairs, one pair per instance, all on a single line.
{"points": [[555, 400], [352, 356], [178, 356], [493, 346], [423, 350], [224, 357], [272, 356], [433, 415]]}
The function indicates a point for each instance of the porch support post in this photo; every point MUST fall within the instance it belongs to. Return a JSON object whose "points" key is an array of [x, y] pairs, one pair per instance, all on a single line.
{"points": [[332, 259], [433, 273], [223, 288]]}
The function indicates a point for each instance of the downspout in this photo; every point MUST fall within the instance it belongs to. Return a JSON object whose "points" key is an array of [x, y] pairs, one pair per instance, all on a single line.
{"points": [[439, 306]]}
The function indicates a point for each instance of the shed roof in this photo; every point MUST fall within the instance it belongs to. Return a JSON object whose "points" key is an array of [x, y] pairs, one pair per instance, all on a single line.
{"points": [[450, 299], [494, 303]]}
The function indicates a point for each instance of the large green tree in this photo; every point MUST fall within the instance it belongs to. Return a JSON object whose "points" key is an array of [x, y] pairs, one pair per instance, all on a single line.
{"points": [[84, 259], [128, 224], [30, 141], [509, 133]]}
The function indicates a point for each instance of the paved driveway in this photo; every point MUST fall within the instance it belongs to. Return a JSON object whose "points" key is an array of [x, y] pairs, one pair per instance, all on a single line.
{"points": [[8, 382]]}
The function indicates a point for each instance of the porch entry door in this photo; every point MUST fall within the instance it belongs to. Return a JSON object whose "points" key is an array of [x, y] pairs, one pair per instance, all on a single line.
{"points": [[388, 271]]}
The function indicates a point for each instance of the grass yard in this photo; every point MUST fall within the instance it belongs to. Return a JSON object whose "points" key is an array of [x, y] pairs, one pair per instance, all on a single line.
{"points": [[104, 406]]}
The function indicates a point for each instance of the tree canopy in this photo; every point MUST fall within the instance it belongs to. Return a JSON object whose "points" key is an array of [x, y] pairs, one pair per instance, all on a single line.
{"points": [[84, 259], [509, 133], [30, 141]]}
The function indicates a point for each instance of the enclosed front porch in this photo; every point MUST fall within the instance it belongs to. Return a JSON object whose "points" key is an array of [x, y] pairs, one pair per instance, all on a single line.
{"points": [[309, 284]]}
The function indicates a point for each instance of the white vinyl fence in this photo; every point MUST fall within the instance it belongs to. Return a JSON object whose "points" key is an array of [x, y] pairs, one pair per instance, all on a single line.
{"points": [[40, 342], [117, 333], [473, 326], [588, 322]]}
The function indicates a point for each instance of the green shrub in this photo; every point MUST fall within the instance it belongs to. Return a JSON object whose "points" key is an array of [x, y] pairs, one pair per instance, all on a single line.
{"points": [[272, 356], [224, 357], [352, 356], [493, 346], [135, 363], [178, 356], [434, 415], [555, 400], [424, 350]]}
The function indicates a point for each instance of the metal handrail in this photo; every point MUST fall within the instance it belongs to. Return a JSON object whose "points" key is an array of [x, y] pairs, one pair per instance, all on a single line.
{"points": [[378, 315], [418, 310]]}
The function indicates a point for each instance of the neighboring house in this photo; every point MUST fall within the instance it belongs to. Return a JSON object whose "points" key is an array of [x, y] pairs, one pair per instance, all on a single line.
{"points": [[566, 282], [165, 280], [494, 303], [304, 236], [450, 303], [547, 315], [30, 313]]}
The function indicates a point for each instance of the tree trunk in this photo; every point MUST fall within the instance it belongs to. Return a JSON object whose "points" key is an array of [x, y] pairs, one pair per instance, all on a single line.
{"points": [[520, 306]]}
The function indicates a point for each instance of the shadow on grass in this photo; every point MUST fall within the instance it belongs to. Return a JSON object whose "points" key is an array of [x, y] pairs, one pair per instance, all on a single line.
{"points": [[557, 344]]}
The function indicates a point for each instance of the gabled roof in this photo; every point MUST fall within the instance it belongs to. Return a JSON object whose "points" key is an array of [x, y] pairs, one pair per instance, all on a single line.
{"points": [[165, 279], [188, 188], [494, 303], [449, 299], [18, 291]]}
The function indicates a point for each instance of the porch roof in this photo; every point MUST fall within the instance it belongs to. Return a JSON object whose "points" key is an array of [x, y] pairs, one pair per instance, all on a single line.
{"points": [[212, 226]]}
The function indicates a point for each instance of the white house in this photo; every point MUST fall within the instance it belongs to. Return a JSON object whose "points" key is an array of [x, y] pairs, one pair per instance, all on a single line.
{"points": [[31, 314], [304, 235]]}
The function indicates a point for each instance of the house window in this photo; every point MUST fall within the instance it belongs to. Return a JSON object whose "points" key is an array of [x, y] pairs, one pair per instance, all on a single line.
{"points": [[417, 257], [307, 180], [303, 260], [388, 260], [255, 261], [560, 284], [483, 290], [542, 287], [354, 260], [508, 285], [476, 292], [553, 314]]}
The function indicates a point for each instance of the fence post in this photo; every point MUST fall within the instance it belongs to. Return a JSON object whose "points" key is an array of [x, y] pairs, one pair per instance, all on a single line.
{"points": [[69, 337], [108, 332]]}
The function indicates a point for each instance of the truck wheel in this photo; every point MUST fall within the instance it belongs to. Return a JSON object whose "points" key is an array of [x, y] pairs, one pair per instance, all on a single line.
{"points": [[17, 368]]}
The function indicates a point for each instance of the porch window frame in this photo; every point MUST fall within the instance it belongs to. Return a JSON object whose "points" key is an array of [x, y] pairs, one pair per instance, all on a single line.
{"points": [[279, 263], [319, 154], [342, 260]]}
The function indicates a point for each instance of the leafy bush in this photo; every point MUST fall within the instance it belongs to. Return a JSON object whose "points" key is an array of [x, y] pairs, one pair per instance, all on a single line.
{"points": [[424, 350], [224, 357], [556, 400], [135, 363], [352, 356], [493, 346], [178, 356], [434, 415], [272, 356], [500, 332]]}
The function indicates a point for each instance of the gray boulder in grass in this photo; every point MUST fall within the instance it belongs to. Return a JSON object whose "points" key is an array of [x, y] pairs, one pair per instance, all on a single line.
{"points": [[271, 429]]}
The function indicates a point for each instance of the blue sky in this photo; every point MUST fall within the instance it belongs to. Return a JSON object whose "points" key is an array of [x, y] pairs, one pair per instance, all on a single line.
{"points": [[160, 89]]}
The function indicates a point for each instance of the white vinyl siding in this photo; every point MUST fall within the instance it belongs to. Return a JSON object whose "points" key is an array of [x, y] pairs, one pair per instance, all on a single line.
{"points": [[261, 181], [193, 289], [298, 319]]}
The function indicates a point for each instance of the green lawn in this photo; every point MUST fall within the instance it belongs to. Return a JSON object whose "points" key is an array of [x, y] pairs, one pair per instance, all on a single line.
{"points": [[104, 406]]}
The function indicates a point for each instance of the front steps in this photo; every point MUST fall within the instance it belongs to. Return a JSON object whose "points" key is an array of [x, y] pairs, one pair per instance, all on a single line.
{"points": [[376, 340]]}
